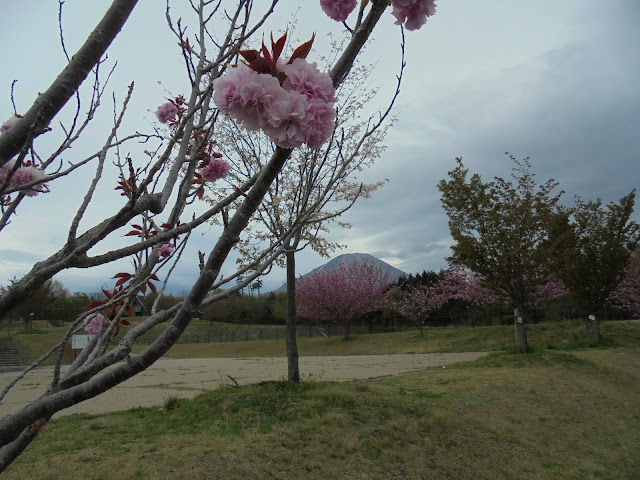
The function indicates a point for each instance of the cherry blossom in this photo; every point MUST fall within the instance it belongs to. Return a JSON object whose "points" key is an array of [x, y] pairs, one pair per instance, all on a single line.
{"points": [[9, 123], [22, 176], [93, 323], [338, 10], [413, 13], [343, 294], [216, 169], [166, 112], [292, 102], [165, 250], [627, 293]]}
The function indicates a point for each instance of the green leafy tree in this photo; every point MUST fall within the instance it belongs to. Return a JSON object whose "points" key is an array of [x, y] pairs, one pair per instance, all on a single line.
{"points": [[500, 229], [594, 243]]}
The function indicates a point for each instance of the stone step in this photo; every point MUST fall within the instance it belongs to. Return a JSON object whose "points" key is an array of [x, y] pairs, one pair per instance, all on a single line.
{"points": [[9, 353]]}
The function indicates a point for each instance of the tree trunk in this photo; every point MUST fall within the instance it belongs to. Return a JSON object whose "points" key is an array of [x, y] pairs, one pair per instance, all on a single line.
{"points": [[420, 324], [292, 347], [596, 327], [347, 330], [521, 331]]}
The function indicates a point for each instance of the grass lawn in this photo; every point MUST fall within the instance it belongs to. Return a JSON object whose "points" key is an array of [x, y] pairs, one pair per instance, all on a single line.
{"points": [[546, 415], [543, 336]]}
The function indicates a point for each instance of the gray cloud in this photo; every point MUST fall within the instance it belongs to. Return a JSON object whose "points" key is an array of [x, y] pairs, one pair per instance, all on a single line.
{"points": [[556, 81]]}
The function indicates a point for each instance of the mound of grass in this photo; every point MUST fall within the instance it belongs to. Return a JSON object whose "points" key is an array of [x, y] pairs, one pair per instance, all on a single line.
{"points": [[553, 415]]}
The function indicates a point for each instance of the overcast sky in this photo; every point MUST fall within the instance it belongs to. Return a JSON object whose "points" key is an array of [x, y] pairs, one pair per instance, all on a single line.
{"points": [[554, 81]]}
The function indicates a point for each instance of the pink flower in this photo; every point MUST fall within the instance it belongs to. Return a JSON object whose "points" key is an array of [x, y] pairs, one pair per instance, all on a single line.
{"points": [[166, 112], [246, 95], [413, 13], [23, 176], [318, 122], [285, 118], [304, 77], [338, 10], [296, 112], [165, 250], [216, 169], [93, 323], [9, 123]]}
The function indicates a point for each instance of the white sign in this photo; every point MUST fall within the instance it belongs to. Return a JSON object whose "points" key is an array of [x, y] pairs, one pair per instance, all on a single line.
{"points": [[78, 342]]}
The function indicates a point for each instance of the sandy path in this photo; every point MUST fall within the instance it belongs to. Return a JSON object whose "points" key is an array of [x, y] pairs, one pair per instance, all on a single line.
{"points": [[188, 377]]}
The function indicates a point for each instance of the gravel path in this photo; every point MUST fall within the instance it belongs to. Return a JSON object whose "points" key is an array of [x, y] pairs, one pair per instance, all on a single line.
{"points": [[188, 377]]}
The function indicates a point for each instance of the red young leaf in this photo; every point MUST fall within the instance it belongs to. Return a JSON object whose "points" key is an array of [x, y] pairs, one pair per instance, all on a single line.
{"points": [[125, 322], [122, 274], [240, 191], [143, 289], [132, 233], [152, 287], [121, 281], [278, 46], [93, 305], [249, 55], [260, 65], [134, 225], [303, 50]]}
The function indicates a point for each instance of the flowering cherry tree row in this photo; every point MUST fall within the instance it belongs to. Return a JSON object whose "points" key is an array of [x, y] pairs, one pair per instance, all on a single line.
{"points": [[420, 302]]}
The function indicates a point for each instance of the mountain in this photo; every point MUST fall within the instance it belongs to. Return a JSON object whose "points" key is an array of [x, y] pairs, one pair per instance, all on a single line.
{"points": [[349, 258]]}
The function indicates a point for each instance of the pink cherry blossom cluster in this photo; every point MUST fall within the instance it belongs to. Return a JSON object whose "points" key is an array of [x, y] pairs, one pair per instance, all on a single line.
{"points": [[24, 175], [338, 10], [93, 323], [9, 123], [167, 112], [627, 293], [423, 300], [165, 250], [412, 13], [345, 293], [215, 170], [465, 286], [293, 105]]}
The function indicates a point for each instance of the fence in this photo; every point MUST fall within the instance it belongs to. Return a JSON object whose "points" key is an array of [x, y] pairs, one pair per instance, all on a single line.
{"points": [[238, 334]]}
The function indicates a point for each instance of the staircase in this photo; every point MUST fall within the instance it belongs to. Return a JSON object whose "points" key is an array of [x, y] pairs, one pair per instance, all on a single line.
{"points": [[9, 354]]}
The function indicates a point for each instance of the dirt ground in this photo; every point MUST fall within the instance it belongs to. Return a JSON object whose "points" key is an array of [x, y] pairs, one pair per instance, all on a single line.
{"points": [[188, 377]]}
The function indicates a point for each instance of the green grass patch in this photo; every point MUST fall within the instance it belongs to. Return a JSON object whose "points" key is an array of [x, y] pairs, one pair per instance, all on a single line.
{"points": [[547, 415], [566, 336]]}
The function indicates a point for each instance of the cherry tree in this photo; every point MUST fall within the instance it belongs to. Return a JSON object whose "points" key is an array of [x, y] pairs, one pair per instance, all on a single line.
{"points": [[627, 293], [454, 284], [342, 295], [421, 301], [273, 89], [314, 188]]}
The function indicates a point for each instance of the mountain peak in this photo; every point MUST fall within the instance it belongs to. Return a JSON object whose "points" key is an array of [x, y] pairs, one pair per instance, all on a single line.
{"points": [[348, 259]]}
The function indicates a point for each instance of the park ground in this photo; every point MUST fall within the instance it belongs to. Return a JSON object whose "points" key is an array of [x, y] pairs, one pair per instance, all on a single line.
{"points": [[568, 410]]}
